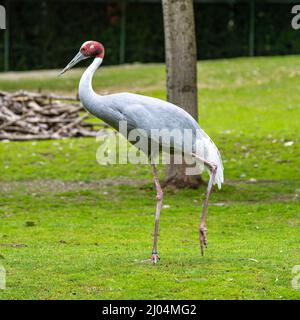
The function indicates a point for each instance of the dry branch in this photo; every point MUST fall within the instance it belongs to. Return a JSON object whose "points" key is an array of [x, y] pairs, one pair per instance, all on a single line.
{"points": [[39, 116]]}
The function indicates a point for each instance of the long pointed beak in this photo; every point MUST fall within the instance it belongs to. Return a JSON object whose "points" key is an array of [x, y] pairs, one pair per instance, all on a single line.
{"points": [[79, 56]]}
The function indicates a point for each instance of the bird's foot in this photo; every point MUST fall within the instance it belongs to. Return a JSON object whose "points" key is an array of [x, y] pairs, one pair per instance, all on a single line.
{"points": [[203, 239], [154, 257]]}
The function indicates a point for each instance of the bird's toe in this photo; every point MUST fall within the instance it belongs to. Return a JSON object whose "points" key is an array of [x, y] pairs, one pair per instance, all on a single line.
{"points": [[154, 258]]}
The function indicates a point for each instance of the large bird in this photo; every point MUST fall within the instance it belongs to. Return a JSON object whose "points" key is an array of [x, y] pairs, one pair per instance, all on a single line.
{"points": [[145, 114]]}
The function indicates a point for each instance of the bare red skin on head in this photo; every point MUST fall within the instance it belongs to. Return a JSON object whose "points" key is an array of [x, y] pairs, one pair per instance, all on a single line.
{"points": [[93, 49]]}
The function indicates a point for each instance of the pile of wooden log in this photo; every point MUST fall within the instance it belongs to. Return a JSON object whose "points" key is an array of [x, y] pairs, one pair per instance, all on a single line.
{"points": [[38, 116]]}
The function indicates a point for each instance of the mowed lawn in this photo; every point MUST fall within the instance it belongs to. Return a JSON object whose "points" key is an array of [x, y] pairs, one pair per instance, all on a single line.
{"points": [[72, 229]]}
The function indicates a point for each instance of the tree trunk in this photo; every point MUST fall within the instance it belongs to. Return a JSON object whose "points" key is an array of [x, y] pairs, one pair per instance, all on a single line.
{"points": [[181, 62]]}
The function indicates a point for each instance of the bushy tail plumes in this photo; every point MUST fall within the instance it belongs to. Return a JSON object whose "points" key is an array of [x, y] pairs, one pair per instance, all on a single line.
{"points": [[215, 158], [212, 154]]}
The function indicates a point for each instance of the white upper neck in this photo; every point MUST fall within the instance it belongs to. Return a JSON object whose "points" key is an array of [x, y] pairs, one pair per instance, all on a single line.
{"points": [[86, 93]]}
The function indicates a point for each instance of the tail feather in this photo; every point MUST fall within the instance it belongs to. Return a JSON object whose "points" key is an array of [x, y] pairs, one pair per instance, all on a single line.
{"points": [[212, 154]]}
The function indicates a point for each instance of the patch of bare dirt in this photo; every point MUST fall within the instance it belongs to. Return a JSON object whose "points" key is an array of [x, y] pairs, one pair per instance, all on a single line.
{"points": [[58, 186], [16, 75], [236, 182]]}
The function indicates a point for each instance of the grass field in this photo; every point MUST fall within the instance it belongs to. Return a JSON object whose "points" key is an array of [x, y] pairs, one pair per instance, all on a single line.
{"points": [[72, 229]]}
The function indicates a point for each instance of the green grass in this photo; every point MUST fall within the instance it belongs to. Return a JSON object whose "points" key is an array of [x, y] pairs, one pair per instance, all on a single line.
{"points": [[71, 229]]}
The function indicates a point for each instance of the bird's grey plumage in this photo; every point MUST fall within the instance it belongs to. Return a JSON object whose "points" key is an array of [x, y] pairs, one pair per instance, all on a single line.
{"points": [[146, 113]]}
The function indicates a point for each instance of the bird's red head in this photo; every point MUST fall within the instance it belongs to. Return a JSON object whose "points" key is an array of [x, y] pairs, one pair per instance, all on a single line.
{"points": [[92, 49]]}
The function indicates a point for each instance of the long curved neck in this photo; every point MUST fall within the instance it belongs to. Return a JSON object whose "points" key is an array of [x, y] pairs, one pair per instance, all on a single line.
{"points": [[86, 93]]}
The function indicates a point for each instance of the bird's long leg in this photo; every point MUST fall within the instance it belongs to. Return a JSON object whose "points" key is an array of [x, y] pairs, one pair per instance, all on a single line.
{"points": [[202, 228], [159, 198]]}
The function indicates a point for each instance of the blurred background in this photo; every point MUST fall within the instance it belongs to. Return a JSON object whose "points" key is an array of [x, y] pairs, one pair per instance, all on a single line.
{"points": [[132, 30]]}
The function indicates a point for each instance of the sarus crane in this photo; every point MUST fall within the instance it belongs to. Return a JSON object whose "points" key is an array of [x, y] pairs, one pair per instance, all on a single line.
{"points": [[147, 113]]}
